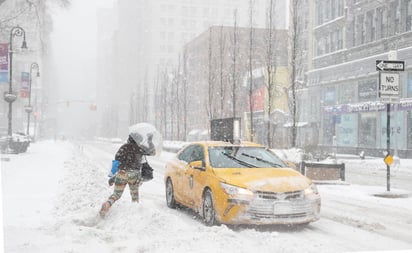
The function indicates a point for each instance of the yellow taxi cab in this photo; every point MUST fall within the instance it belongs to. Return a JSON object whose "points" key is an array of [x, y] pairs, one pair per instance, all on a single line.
{"points": [[242, 183]]}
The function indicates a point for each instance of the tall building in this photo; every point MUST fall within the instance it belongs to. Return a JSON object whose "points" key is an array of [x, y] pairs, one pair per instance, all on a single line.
{"points": [[348, 37], [151, 35]]}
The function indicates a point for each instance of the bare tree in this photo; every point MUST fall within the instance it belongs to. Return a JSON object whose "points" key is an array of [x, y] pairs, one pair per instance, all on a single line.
{"points": [[250, 62], [210, 77], [270, 67], [234, 59], [157, 99], [164, 96], [222, 40], [294, 62], [184, 84], [178, 102]]}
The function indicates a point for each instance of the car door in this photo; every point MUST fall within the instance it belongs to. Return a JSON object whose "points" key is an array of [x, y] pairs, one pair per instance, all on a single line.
{"points": [[195, 177], [180, 175]]}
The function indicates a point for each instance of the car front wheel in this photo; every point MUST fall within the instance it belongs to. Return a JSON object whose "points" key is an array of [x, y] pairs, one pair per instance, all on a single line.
{"points": [[170, 197], [209, 213]]}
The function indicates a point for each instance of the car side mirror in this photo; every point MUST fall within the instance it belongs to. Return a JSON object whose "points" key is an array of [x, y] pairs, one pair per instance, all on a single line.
{"points": [[198, 165]]}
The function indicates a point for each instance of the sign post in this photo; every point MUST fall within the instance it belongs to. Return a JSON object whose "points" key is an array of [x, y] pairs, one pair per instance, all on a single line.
{"points": [[389, 88]]}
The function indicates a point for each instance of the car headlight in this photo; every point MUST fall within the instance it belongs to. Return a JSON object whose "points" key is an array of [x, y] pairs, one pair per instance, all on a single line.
{"points": [[312, 189], [237, 192]]}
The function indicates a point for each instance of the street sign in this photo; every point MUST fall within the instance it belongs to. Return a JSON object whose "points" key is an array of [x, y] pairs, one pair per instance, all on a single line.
{"points": [[385, 65], [389, 86], [388, 160]]}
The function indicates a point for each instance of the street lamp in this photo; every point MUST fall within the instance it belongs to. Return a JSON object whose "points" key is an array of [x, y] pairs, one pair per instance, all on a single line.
{"points": [[10, 97], [29, 108]]}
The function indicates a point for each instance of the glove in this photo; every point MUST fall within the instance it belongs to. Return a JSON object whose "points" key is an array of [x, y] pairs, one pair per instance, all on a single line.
{"points": [[111, 181]]}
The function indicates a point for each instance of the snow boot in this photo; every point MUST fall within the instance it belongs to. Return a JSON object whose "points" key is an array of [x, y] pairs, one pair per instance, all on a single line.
{"points": [[105, 208]]}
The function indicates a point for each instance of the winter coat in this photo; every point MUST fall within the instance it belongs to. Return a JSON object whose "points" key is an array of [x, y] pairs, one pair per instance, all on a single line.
{"points": [[130, 155]]}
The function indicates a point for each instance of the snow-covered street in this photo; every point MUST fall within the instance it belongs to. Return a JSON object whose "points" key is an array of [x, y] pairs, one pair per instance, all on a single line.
{"points": [[52, 194]]}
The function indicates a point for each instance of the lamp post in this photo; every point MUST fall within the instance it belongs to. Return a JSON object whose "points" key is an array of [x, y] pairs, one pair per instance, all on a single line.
{"points": [[29, 108], [10, 97]]}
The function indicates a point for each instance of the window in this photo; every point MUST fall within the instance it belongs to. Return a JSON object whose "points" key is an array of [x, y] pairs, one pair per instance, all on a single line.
{"points": [[329, 96], [409, 85], [314, 105], [333, 42], [408, 15], [333, 9], [360, 32], [327, 44], [370, 26], [340, 8], [367, 130], [383, 23], [192, 153], [409, 129], [347, 93], [319, 13], [327, 11], [393, 18], [367, 90], [328, 129], [339, 39], [243, 157], [346, 130], [396, 129]]}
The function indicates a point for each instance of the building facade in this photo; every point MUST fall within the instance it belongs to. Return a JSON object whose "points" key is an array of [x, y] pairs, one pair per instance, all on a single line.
{"points": [[341, 93]]}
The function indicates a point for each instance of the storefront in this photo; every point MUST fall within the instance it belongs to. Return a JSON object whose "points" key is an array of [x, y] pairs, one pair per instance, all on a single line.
{"points": [[364, 125]]}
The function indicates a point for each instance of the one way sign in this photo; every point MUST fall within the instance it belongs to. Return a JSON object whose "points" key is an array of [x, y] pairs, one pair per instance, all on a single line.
{"points": [[385, 65]]}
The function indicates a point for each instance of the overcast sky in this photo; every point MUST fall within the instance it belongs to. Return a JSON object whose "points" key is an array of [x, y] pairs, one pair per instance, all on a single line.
{"points": [[74, 64], [74, 48]]}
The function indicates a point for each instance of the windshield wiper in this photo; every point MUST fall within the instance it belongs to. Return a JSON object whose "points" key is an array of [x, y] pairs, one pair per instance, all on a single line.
{"points": [[239, 161], [263, 160]]}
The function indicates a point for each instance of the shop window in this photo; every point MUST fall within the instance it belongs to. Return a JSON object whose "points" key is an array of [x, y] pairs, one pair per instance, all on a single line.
{"points": [[409, 129], [367, 130], [346, 131], [396, 130], [409, 85], [328, 129]]}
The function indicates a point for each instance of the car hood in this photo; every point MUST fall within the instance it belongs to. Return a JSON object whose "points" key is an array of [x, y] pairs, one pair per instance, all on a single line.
{"points": [[264, 179]]}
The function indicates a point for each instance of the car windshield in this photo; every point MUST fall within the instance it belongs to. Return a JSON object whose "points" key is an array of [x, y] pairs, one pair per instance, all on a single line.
{"points": [[243, 157]]}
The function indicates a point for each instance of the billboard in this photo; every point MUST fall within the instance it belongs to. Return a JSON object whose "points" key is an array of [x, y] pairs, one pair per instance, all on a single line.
{"points": [[4, 63], [25, 83]]}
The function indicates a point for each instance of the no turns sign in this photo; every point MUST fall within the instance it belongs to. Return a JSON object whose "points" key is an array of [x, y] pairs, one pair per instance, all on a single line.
{"points": [[389, 87]]}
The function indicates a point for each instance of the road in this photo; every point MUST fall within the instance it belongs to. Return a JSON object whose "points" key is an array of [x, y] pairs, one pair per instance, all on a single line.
{"points": [[351, 219]]}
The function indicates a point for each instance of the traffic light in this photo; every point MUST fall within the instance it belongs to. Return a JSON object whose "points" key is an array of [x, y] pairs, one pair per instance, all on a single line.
{"points": [[93, 107]]}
